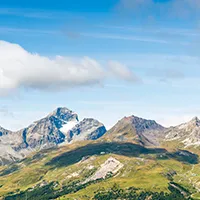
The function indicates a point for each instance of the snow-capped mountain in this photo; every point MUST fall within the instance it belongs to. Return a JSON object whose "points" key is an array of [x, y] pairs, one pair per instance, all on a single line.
{"points": [[135, 129], [60, 126], [47, 132]]}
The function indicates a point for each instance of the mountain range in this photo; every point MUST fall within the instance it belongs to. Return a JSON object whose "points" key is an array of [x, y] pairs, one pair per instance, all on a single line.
{"points": [[60, 126], [136, 153]]}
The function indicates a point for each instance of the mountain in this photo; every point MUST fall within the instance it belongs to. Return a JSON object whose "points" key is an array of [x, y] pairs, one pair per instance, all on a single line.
{"points": [[46, 132], [102, 170], [8, 141], [4, 131], [60, 126], [133, 160], [88, 129], [138, 130], [187, 134]]}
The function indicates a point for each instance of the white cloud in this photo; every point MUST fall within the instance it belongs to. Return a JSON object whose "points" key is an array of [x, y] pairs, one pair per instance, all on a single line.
{"points": [[19, 68], [122, 71]]}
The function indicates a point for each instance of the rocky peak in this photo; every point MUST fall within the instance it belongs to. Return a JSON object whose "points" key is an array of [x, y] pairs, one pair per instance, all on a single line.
{"points": [[195, 122], [141, 124], [87, 129], [64, 114], [59, 127], [4, 131], [187, 133], [91, 122], [189, 126], [136, 129], [46, 132]]}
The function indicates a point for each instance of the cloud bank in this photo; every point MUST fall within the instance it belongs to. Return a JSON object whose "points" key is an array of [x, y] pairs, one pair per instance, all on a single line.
{"points": [[22, 69]]}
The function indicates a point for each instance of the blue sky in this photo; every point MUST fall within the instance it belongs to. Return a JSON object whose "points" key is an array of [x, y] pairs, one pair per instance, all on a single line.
{"points": [[102, 59]]}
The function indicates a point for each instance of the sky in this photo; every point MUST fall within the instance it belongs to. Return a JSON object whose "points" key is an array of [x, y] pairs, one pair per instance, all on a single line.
{"points": [[102, 59]]}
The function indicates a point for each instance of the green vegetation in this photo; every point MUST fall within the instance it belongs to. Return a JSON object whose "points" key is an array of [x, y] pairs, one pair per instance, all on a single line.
{"points": [[48, 192], [9, 170], [125, 149], [129, 194], [60, 173]]}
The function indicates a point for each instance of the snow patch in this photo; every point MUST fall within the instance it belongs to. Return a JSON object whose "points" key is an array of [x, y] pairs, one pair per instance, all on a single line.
{"points": [[68, 126]]}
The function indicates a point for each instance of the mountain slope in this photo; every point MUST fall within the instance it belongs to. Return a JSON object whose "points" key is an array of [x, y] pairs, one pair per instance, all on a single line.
{"points": [[46, 132], [138, 130], [86, 168], [88, 129], [89, 169], [60, 126], [187, 134], [4, 131], [8, 141]]}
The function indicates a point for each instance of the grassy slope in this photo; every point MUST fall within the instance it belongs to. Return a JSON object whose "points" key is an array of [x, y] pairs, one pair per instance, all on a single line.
{"points": [[141, 170]]}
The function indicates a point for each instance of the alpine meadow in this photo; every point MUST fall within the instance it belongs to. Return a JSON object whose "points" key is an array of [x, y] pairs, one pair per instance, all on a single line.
{"points": [[99, 100]]}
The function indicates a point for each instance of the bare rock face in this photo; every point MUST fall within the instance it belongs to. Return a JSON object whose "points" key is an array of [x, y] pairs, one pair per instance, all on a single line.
{"points": [[46, 132], [188, 133], [62, 125], [8, 142], [111, 166], [4, 131], [139, 130], [88, 129]]}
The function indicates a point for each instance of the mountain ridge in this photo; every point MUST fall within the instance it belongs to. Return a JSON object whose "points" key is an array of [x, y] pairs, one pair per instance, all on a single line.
{"points": [[47, 133], [134, 154], [187, 134], [135, 129], [62, 126]]}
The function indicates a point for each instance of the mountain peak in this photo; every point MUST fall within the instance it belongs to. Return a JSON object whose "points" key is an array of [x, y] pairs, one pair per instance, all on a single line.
{"points": [[195, 119], [194, 122], [60, 110], [3, 131], [64, 113], [188, 133], [132, 117], [140, 123], [87, 129], [136, 129]]}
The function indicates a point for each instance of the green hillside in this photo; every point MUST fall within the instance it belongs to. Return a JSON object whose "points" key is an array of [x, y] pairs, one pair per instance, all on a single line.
{"points": [[62, 173]]}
